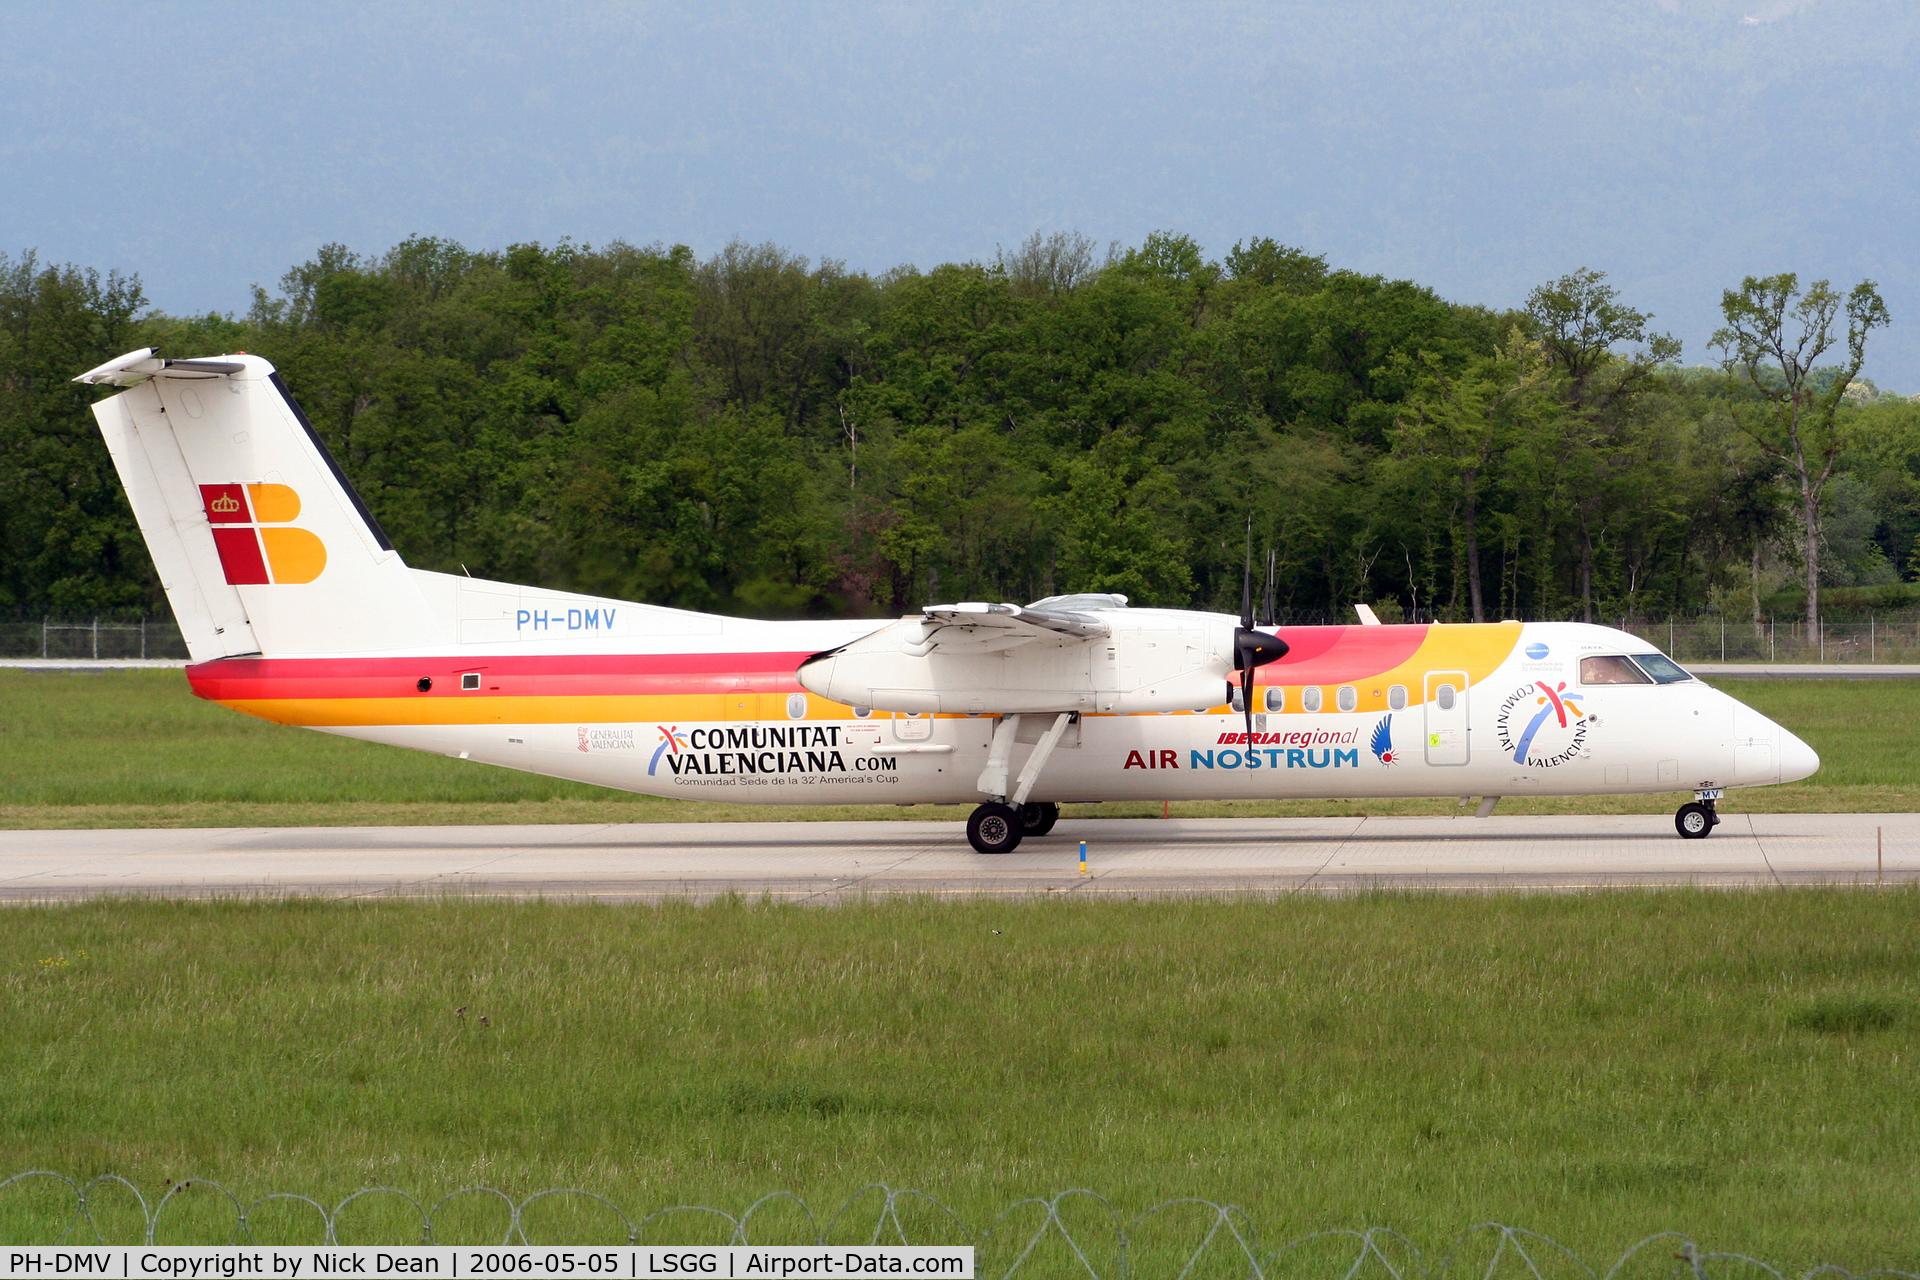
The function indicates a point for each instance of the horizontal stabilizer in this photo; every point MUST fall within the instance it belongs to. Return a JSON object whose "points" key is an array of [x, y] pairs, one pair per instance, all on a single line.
{"points": [[143, 363]]}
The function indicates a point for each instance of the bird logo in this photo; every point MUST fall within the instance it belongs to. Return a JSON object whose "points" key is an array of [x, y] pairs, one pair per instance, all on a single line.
{"points": [[1382, 741]]}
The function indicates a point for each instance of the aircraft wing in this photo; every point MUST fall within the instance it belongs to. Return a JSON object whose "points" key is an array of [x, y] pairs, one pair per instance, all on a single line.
{"points": [[994, 628]]}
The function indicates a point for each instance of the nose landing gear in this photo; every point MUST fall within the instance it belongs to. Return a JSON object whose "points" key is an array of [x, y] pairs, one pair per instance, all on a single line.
{"points": [[1697, 818]]}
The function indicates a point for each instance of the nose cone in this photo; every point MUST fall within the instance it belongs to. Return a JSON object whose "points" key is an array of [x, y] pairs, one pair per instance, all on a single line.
{"points": [[816, 674], [1797, 759]]}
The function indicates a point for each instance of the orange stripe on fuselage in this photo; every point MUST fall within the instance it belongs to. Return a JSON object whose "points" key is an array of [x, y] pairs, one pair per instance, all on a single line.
{"points": [[327, 713], [629, 688], [1374, 659], [330, 692]]}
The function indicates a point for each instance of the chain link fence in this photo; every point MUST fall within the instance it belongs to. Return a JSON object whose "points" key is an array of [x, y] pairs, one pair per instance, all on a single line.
{"points": [[1074, 1233], [1875, 640], [90, 638], [1894, 639]]}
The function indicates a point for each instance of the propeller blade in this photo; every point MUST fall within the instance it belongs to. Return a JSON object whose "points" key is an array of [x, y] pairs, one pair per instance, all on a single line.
{"points": [[1246, 583], [1246, 698], [1266, 611]]}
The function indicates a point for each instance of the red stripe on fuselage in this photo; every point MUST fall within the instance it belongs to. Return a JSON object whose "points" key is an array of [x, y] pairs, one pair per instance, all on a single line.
{"points": [[232, 679], [1335, 655]]}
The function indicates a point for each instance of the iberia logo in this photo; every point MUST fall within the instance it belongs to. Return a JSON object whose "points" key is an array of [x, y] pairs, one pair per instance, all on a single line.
{"points": [[670, 739], [1553, 735], [251, 531]]}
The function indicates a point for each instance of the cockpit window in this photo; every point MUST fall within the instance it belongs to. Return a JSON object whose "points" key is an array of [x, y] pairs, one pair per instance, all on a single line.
{"points": [[1611, 669], [1663, 669]]}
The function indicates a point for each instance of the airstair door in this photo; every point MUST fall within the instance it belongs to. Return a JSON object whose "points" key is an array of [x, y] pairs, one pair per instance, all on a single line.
{"points": [[1446, 708]]}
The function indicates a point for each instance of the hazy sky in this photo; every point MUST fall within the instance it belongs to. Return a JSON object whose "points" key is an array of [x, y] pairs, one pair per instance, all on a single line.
{"points": [[1476, 147]]}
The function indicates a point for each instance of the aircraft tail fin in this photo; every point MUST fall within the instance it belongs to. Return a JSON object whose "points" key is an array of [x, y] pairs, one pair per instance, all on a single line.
{"points": [[262, 545]]}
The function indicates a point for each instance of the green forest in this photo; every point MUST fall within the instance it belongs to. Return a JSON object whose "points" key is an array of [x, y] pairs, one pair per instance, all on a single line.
{"points": [[756, 433]]}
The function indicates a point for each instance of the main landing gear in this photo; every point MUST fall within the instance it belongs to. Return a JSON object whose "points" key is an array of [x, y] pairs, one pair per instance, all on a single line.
{"points": [[999, 828], [1697, 818], [999, 825], [995, 828]]}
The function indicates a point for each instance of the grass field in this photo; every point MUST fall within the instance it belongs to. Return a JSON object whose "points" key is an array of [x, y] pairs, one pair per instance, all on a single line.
{"points": [[1596, 1067], [136, 748]]}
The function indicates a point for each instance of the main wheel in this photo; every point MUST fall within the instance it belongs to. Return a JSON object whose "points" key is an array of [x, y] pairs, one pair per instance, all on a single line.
{"points": [[994, 828], [1038, 816], [1694, 821]]}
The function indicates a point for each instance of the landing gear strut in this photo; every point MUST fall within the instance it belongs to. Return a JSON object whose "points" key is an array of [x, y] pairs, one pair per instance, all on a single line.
{"points": [[1697, 818], [995, 828], [999, 825]]}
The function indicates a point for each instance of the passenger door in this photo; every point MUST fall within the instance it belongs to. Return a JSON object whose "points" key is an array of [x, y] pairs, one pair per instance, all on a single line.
{"points": [[1446, 718]]}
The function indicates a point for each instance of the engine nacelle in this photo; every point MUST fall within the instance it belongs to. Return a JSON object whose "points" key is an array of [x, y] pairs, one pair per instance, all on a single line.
{"points": [[1152, 660]]}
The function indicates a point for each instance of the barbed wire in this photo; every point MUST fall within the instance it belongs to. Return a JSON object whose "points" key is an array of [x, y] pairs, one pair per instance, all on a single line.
{"points": [[1222, 1241]]}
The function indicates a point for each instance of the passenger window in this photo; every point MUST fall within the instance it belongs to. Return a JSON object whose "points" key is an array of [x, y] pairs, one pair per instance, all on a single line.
{"points": [[1310, 698], [1397, 698], [1347, 699], [1276, 699], [1663, 669], [1611, 669], [471, 680], [1444, 695]]}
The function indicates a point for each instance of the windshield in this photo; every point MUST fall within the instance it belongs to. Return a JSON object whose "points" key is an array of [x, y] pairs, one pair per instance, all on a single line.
{"points": [[1662, 668]]}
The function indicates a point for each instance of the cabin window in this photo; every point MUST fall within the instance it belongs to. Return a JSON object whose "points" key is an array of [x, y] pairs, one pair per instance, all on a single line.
{"points": [[1236, 699], [1611, 669], [1663, 669], [1276, 699], [1347, 698], [1310, 698], [796, 706], [1445, 696], [471, 680], [861, 713], [1397, 698]]}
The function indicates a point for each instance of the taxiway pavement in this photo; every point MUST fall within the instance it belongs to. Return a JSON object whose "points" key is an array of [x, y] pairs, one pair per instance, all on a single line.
{"points": [[822, 861]]}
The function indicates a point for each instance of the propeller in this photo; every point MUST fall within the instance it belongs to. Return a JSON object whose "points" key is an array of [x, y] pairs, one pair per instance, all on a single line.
{"points": [[1253, 648]]}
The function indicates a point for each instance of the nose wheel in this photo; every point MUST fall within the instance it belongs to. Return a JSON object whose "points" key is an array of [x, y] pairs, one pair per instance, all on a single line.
{"points": [[1696, 820], [995, 828]]}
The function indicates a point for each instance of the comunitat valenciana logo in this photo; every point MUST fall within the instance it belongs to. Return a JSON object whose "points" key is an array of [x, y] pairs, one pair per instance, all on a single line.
{"points": [[253, 531], [1542, 725]]}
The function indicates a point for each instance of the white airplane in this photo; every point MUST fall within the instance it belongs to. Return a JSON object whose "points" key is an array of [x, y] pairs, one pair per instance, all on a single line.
{"points": [[297, 609]]}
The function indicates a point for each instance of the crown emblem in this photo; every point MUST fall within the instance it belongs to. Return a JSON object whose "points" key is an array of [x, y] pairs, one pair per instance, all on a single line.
{"points": [[224, 503]]}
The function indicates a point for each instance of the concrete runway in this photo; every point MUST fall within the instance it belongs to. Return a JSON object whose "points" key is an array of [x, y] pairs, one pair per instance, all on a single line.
{"points": [[822, 861]]}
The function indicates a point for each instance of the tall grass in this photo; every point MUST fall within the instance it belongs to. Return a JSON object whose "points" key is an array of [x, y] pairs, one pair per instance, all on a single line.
{"points": [[138, 749], [1597, 1067]]}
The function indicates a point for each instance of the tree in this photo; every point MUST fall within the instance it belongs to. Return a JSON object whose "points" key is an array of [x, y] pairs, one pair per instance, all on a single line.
{"points": [[1047, 266], [1580, 321], [1455, 431], [1775, 335], [67, 537]]}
